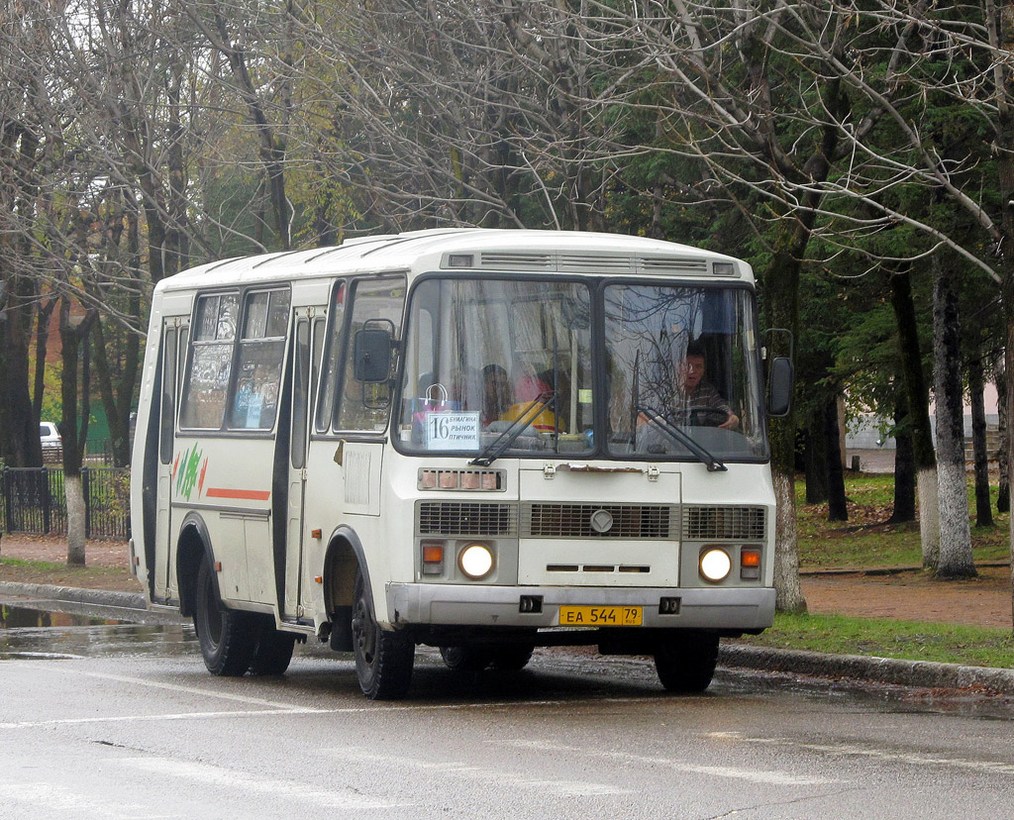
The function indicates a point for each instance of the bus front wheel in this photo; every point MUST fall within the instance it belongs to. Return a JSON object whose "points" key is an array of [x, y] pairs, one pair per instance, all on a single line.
{"points": [[227, 637], [685, 662], [384, 658]]}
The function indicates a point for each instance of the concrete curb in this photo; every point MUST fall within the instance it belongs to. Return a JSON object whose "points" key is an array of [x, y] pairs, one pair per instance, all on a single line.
{"points": [[912, 674], [76, 595], [879, 571]]}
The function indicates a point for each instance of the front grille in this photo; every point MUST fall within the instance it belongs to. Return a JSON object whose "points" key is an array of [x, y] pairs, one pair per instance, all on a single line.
{"points": [[644, 521], [724, 523], [465, 518]]}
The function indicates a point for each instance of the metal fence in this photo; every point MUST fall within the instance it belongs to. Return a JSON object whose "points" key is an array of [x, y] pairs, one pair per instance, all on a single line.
{"points": [[33, 501]]}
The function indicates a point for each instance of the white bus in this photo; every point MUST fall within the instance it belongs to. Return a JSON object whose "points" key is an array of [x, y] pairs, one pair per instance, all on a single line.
{"points": [[470, 439]]}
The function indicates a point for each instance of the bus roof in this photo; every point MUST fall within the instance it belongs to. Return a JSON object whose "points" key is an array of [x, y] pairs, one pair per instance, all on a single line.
{"points": [[503, 250]]}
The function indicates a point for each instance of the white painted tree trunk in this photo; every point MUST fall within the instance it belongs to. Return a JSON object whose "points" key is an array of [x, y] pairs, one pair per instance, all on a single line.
{"points": [[74, 489], [929, 516], [955, 560], [788, 594]]}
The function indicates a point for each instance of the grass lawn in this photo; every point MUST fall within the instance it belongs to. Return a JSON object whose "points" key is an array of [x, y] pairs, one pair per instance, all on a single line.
{"points": [[888, 638], [867, 540]]}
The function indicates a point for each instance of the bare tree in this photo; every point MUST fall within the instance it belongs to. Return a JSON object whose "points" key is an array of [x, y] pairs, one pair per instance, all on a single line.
{"points": [[22, 149]]}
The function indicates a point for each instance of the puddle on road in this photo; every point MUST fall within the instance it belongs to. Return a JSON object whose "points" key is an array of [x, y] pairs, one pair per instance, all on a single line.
{"points": [[27, 632], [16, 617]]}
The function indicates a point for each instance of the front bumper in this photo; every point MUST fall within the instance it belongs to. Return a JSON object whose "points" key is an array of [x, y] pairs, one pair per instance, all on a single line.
{"points": [[734, 608]]}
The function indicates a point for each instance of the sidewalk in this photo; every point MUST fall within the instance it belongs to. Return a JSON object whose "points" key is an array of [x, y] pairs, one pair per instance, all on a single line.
{"points": [[903, 594]]}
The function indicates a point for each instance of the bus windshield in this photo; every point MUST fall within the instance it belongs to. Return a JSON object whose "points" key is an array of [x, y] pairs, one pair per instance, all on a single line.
{"points": [[535, 367]]}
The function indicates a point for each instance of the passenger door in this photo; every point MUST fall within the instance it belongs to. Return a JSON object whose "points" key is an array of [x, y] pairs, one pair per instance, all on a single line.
{"points": [[305, 355], [174, 335]]}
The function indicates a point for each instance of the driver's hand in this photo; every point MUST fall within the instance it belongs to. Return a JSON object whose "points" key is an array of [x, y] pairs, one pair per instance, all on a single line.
{"points": [[731, 423]]}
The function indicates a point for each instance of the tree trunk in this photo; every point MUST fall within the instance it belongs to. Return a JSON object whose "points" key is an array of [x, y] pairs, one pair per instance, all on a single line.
{"points": [[1008, 395], [45, 312], [788, 593], [1002, 463], [983, 509], [815, 460], [73, 486], [1005, 173], [837, 508], [74, 340], [782, 305], [918, 402], [904, 465], [955, 559]]}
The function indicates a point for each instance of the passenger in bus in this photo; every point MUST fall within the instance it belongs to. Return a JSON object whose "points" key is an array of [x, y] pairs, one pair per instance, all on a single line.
{"points": [[531, 388], [697, 401]]}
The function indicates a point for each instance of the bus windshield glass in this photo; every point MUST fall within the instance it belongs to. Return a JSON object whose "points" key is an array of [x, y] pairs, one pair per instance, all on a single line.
{"points": [[683, 372], [495, 367]]}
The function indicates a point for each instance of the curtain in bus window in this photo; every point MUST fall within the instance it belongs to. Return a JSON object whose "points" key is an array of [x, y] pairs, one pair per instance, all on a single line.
{"points": [[214, 333], [254, 404]]}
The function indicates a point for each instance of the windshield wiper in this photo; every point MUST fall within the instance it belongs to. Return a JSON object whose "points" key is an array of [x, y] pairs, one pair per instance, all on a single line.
{"points": [[674, 432], [502, 443]]}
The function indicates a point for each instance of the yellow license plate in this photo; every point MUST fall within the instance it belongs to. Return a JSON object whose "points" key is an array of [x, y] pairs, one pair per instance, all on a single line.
{"points": [[601, 616]]}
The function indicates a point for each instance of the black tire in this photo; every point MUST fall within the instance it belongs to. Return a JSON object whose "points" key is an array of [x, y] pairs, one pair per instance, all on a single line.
{"points": [[686, 662], [465, 658], [227, 637], [273, 651], [384, 658], [512, 658], [502, 658]]}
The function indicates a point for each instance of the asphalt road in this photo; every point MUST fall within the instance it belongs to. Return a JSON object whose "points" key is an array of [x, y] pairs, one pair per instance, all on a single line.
{"points": [[107, 721]]}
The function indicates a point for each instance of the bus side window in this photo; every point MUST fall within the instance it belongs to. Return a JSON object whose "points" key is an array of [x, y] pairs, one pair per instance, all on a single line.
{"points": [[210, 362], [254, 404], [364, 406], [300, 393], [167, 420], [332, 354]]}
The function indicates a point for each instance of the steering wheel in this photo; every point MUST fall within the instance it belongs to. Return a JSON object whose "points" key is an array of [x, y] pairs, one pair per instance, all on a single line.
{"points": [[708, 416]]}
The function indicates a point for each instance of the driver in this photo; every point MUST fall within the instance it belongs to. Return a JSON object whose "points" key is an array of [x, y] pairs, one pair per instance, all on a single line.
{"points": [[697, 400]]}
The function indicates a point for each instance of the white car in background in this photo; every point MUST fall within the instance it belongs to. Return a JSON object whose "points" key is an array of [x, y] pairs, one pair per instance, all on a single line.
{"points": [[52, 442]]}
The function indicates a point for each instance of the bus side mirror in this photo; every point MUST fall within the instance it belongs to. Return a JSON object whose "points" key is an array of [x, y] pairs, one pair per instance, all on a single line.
{"points": [[372, 350], [780, 378]]}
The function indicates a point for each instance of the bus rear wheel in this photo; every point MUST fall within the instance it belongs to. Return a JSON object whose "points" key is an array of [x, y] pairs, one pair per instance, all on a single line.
{"points": [[501, 658], [464, 658], [384, 658], [227, 637], [273, 651], [685, 661], [512, 658]]}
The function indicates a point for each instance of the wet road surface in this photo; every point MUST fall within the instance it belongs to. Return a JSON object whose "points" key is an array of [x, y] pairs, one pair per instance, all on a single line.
{"points": [[121, 720]]}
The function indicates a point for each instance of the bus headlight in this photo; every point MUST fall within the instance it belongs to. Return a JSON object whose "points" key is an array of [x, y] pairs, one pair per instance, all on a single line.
{"points": [[715, 564], [476, 561]]}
